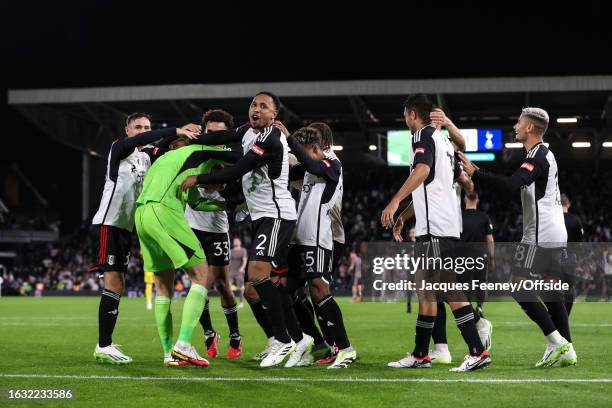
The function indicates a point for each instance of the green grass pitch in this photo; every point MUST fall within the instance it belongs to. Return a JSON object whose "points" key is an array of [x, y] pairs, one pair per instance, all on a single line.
{"points": [[47, 343]]}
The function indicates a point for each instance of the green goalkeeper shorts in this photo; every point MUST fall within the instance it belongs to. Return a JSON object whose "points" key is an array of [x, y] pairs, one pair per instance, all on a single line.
{"points": [[166, 240]]}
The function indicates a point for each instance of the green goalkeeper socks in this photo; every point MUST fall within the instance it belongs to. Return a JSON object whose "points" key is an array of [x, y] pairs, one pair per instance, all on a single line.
{"points": [[192, 310], [163, 319]]}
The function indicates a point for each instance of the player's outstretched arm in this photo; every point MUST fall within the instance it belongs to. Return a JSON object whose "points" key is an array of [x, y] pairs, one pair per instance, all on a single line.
{"points": [[122, 148], [266, 148], [208, 205], [321, 168], [190, 131], [222, 136], [511, 184], [246, 163], [524, 176], [198, 203]]}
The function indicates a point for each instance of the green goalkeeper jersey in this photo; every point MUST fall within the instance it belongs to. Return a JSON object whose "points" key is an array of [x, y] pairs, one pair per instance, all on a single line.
{"points": [[162, 183]]}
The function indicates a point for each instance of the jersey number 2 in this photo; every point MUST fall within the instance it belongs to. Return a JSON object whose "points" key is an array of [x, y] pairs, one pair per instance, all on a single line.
{"points": [[263, 238]]}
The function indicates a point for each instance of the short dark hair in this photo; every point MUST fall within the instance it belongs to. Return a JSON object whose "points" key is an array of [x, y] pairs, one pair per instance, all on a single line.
{"points": [[275, 99], [218, 115], [307, 135], [179, 139], [327, 137], [421, 105], [565, 201], [136, 115], [472, 196]]}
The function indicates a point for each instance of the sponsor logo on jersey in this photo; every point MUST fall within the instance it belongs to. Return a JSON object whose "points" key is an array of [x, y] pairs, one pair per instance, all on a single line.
{"points": [[258, 150], [419, 150], [527, 166]]}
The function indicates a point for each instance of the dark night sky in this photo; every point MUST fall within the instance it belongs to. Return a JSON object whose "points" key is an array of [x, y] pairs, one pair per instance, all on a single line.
{"points": [[100, 43]]}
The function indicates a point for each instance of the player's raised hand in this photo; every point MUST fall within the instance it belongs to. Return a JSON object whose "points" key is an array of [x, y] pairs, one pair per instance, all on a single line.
{"points": [[438, 118], [193, 127], [190, 131], [189, 182], [386, 219], [469, 167], [397, 229], [279, 125]]}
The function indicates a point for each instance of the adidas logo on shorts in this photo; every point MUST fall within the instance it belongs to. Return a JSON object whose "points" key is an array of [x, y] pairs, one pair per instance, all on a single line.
{"points": [[260, 253]]}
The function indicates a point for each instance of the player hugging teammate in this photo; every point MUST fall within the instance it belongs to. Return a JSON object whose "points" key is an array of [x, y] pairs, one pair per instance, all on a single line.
{"points": [[181, 223]]}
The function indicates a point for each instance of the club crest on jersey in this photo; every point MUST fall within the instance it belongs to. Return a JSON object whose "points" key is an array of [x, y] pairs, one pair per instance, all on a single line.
{"points": [[307, 187], [110, 260], [258, 150], [527, 166], [419, 150]]}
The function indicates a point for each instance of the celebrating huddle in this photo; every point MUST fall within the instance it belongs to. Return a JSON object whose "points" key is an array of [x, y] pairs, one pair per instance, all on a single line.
{"points": [[290, 250], [171, 191]]}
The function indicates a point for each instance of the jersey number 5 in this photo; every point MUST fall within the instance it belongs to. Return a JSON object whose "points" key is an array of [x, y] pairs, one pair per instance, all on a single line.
{"points": [[308, 258]]}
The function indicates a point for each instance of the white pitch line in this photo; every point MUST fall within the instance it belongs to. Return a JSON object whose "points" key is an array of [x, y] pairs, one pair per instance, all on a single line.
{"points": [[314, 380], [35, 325], [571, 324]]}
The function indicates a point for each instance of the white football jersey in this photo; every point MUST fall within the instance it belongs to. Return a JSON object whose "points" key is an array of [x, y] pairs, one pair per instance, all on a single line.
{"points": [[543, 221], [435, 200], [318, 198], [208, 221], [266, 188], [121, 189]]}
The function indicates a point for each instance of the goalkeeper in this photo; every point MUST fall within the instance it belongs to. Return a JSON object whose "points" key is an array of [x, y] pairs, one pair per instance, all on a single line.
{"points": [[167, 243]]}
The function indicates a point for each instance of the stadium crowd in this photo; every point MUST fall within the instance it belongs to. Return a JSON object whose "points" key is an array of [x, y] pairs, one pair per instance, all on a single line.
{"points": [[63, 265]]}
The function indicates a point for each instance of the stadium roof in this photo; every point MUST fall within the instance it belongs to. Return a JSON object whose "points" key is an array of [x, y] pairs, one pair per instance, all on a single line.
{"points": [[90, 118]]}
